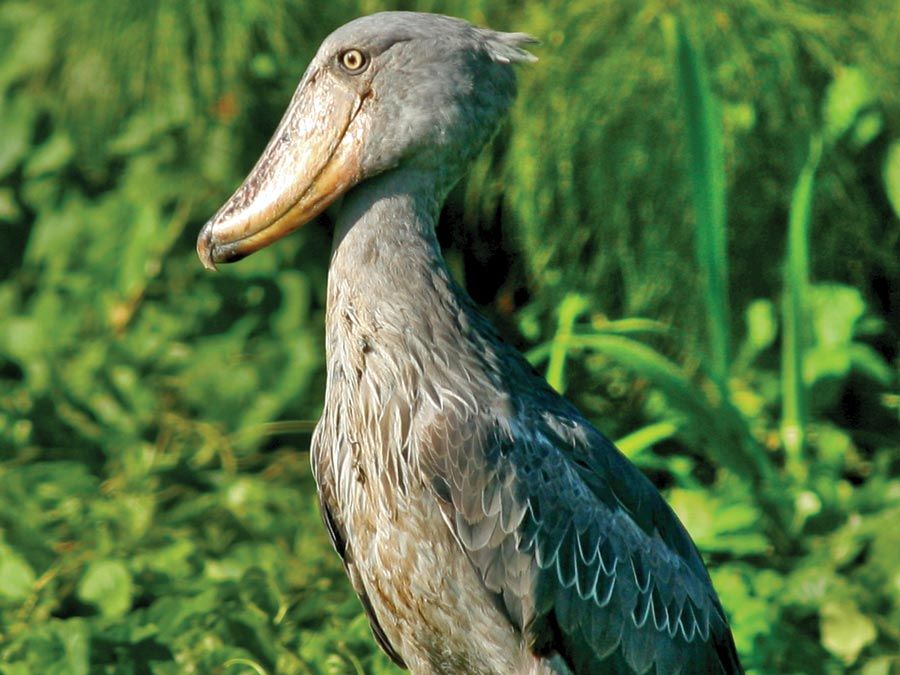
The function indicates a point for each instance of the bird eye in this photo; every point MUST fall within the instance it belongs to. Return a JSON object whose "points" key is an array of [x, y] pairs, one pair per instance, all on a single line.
{"points": [[353, 61]]}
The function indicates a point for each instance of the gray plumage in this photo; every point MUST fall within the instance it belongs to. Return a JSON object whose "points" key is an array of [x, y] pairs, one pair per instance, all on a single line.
{"points": [[486, 526]]}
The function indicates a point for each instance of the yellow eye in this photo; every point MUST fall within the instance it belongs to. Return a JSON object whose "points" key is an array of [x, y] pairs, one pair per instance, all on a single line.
{"points": [[353, 61]]}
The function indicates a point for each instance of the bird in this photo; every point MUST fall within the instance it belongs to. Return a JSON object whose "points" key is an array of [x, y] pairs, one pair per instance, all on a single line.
{"points": [[485, 524]]}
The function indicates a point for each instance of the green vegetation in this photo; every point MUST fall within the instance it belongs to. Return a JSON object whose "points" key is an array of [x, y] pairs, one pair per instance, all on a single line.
{"points": [[702, 210]]}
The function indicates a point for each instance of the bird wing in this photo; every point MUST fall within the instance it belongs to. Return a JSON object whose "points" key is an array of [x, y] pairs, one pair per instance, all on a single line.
{"points": [[584, 554], [325, 483]]}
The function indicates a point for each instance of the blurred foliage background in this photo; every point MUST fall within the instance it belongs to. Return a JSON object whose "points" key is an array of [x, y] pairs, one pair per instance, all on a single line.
{"points": [[691, 221]]}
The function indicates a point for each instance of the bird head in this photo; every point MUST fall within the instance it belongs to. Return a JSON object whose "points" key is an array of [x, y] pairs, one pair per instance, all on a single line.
{"points": [[387, 91]]}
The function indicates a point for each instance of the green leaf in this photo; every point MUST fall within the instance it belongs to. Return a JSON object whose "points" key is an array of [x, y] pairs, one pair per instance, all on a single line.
{"points": [[16, 576], [707, 172], [33, 46], [53, 647], [649, 363], [646, 437], [845, 630], [762, 328], [834, 444], [107, 585], [823, 362], [891, 173], [572, 307], [868, 125], [16, 120], [258, 589], [52, 156], [716, 525], [172, 559], [244, 666], [883, 665], [845, 98], [73, 635], [835, 310], [869, 362], [762, 324], [750, 599], [9, 208]]}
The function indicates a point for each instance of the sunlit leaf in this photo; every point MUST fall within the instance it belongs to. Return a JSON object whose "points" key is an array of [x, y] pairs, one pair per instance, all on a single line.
{"points": [[571, 308], [638, 441], [845, 630], [761, 324], [835, 311], [762, 327], [108, 585], [882, 665], [868, 125], [846, 96], [892, 176], [715, 525], [53, 155], [16, 119], [16, 575]]}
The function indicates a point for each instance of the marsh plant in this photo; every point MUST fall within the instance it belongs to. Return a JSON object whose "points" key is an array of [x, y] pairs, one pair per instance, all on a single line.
{"points": [[704, 205]]}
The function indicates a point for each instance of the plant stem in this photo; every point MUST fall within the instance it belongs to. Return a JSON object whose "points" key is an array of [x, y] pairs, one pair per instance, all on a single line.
{"points": [[795, 311]]}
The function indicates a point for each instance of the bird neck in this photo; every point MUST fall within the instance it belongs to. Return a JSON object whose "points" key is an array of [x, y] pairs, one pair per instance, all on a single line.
{"points": [[398, 328], [385, 248], [395, 318]]}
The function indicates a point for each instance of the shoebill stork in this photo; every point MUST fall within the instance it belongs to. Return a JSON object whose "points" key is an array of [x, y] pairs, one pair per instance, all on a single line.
{"points": [[485, 524]]}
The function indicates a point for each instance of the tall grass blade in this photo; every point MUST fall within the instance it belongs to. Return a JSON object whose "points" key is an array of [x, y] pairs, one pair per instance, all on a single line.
{"points": [[795, 309], [706, 167], [570, 309], [581, 341], [646, 437], [726, 429], [662, 373]]}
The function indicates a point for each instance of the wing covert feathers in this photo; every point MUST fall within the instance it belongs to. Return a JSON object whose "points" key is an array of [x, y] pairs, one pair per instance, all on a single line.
{"points": [[582, 551]]}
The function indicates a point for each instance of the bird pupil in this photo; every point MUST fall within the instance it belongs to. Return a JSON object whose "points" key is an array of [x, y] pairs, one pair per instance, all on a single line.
{"points": [[352, 59]]}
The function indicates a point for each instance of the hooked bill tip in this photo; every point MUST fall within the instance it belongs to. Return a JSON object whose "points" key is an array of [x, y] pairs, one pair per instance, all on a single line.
{"points": [[205, 247]]}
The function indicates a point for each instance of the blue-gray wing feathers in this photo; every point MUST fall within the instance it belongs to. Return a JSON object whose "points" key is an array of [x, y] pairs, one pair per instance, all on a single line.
{"points": [[580, 548]]}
